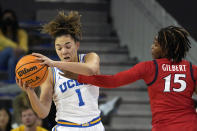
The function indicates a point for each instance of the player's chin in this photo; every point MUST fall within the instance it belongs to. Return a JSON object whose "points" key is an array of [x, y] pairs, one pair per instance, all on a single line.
{"points": [[66, 60], [153, 56]]}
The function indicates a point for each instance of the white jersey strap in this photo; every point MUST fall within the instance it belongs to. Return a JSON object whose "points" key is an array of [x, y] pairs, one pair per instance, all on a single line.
{"points": [[81, 58], [54, 75]]}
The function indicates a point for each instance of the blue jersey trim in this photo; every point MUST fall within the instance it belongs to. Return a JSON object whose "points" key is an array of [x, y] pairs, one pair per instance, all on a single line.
{"points": [[191, 70], [83, 59], [156, 73], [79, 57], [84, 125], [55, 128]]}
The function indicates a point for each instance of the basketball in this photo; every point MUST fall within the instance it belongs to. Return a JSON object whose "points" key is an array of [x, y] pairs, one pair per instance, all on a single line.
{"points": [[29, 70]]}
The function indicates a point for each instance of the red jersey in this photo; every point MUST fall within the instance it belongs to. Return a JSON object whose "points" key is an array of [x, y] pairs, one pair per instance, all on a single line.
{"points": [[170, 88]]}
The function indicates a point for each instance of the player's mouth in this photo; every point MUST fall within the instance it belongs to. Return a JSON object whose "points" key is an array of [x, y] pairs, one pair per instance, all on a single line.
{"points": [[66, 58]]}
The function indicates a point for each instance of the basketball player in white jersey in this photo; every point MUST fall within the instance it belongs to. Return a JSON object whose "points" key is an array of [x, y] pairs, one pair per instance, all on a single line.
{"points": [[76, 103]]}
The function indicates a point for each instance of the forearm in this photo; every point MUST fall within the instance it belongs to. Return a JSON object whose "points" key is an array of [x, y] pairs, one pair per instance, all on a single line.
{"points": [[106, 81], [40, 109], [75, 67], [110, 81]]}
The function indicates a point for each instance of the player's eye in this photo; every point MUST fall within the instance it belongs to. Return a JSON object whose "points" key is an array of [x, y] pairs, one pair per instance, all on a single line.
{"points": [[68, 46]]}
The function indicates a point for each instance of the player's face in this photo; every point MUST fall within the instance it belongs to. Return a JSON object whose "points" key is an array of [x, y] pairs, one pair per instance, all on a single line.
{"points": [[4, 118], [29, 118], [156, 49], [66, 48]]}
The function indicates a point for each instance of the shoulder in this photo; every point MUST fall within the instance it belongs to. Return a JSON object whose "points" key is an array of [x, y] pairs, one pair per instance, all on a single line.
{"points": [[1, 33], [145, 68], [141, 67], [20, 128], [194, 69], [145, 63], [41, 129], [22, 32], [91, 56]]}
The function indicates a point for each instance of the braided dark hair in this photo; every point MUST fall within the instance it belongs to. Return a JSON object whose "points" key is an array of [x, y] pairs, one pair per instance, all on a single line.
{"points": [[64, 24], [174, 42]]}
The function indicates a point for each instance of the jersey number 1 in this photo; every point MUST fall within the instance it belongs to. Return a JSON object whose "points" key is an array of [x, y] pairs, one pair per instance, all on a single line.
{"points": [[176, 80], [81, 103]]}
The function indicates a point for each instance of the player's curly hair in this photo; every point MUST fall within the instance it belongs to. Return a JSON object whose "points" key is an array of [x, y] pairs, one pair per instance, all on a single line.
{"points": [[174, 42], [64, 24]]}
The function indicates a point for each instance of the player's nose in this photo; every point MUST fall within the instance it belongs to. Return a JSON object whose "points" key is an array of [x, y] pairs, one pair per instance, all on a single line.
{"points": [[64, 50], [152, 46]]}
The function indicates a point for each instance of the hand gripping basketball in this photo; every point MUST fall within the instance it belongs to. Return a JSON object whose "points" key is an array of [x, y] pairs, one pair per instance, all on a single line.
{"points": [[30, 71]]}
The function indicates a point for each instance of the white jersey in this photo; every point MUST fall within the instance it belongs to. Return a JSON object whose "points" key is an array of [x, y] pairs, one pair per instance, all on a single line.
{"points": [[75, 102]]}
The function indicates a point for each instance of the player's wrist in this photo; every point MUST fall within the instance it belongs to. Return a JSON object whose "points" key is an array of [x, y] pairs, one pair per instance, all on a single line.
{"points": [[54, 63], [30, 91]]}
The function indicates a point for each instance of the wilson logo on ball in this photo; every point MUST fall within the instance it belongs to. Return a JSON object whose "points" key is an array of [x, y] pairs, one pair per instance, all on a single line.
{"points": [[25, 70], [30, 71]]}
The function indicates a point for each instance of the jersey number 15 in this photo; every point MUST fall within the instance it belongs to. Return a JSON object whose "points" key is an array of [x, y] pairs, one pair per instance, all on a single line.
{"points": [[176, 80]]}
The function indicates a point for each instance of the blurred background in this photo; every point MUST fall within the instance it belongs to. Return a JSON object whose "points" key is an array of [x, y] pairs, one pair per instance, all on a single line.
{"points": [[120, 31]]}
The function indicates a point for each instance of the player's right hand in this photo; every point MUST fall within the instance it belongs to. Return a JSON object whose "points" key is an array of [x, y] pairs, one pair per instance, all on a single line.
{"points": [[45, 60], [23, 86]]}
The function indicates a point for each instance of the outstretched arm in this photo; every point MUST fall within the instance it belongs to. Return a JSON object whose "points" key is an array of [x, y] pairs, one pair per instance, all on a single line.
{"points": [[114, 81], [90, 67]]}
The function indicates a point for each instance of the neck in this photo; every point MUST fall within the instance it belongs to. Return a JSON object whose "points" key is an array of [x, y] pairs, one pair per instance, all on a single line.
{"points": [[76, 58], [32, 128], [9, 32], [9, 28], [3, 128]]}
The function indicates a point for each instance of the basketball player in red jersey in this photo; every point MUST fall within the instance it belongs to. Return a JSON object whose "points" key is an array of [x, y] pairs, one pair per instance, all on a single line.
{"points": [[171, 81]]}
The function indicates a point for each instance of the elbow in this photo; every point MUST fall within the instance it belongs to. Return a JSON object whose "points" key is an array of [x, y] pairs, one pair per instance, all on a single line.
{"points": [[91, 72], [42, 115]]}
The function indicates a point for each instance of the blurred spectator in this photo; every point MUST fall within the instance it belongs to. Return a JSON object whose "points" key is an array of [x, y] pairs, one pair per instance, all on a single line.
{"points": [[108, 109], [0, 11], [5, 119], [22, 101], [29, 121], [13, 43]]}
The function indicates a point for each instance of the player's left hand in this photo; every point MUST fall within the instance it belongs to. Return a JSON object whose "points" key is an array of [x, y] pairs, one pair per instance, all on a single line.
{"points": [[44, 60], [23, 85]]}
